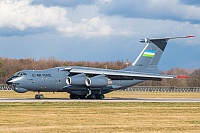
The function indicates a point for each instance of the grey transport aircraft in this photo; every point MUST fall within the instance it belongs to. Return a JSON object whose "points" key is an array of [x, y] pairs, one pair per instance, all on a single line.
{"points": [[93, 83]]}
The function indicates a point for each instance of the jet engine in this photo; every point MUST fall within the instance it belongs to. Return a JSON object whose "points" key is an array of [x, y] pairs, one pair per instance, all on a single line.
{"points": [[98, 81], [77, 79]]}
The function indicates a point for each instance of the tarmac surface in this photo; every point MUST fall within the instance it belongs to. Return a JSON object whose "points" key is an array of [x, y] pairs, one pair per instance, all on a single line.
{"points": [[104, 100]]}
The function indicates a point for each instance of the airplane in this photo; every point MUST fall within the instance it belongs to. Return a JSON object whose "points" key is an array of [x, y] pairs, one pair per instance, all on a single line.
{"points": [[93, 83]]}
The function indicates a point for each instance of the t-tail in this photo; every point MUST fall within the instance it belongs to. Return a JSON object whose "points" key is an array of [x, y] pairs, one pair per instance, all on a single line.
{"points": [[148, 59]]}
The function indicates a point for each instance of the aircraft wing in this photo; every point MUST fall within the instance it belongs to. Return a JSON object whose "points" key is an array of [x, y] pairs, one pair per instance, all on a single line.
{"points": [[121, 73]]}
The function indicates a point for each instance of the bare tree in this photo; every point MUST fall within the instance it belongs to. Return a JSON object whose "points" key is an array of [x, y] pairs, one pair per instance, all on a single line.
{"points": [[194, 79]]}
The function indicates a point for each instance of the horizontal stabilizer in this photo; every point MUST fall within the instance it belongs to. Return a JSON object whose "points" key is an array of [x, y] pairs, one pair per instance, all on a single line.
{"points": [[148, 40]]}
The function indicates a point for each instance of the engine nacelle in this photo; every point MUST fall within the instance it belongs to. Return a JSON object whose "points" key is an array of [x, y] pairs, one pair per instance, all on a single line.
{"points": [[98, 81], [76, 80]]}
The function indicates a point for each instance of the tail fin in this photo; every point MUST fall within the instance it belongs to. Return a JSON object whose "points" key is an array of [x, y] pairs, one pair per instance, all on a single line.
{"points": [[148, 59]]}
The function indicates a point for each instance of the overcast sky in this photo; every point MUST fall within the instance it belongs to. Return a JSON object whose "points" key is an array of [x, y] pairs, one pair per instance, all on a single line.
{"points": [[99, 30]]}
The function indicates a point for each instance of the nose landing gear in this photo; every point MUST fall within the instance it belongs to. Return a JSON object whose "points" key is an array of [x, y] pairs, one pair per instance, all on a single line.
{"points": [[39, 96]]}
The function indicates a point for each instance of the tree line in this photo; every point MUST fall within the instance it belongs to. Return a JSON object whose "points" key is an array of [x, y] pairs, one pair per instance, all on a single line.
{"points": [[10, 66]]}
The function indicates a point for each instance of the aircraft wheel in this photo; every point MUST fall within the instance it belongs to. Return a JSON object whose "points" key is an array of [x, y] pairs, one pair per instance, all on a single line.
{"points": [[39, 96], [101, 96], [93, 96], [36, 96], [73, 96]]}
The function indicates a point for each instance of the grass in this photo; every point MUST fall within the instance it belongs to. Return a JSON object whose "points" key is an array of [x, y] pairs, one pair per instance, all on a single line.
{"points": [[102, 117]]}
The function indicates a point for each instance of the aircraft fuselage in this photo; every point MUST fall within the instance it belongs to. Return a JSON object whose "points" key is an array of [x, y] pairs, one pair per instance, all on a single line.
{"points": [[55, 80]]}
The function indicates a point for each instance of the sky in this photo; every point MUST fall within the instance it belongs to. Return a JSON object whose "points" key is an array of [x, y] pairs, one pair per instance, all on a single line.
{"points": [[99, 30]]}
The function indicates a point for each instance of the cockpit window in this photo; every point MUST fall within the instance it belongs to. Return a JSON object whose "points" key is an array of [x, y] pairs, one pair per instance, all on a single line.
{"points": [[20, 74]]}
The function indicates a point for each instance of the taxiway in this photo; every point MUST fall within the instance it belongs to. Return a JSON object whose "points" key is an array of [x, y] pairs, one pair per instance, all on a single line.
{"points": [[104, 100]]}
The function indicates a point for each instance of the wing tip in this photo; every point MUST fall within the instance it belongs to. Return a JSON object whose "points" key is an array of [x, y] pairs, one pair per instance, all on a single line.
{"points": [[181, 77], [190, 36]]}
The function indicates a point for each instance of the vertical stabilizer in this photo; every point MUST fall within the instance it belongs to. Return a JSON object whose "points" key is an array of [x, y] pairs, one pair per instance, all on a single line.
{"points": [[148, 59]]}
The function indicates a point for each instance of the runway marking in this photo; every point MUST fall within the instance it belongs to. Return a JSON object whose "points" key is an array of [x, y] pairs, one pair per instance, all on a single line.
{"points": [[104, 100]]}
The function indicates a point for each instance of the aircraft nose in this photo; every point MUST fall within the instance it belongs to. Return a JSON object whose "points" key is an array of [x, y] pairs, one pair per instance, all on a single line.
{"points": [[8, 82]]}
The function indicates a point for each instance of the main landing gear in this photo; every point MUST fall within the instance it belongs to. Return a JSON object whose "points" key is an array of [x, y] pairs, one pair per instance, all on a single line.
{"points": [[39, 96], [92, 96]]}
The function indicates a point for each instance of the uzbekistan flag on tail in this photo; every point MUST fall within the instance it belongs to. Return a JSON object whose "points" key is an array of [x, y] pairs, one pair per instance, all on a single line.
{"points": [[149, 53]]}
